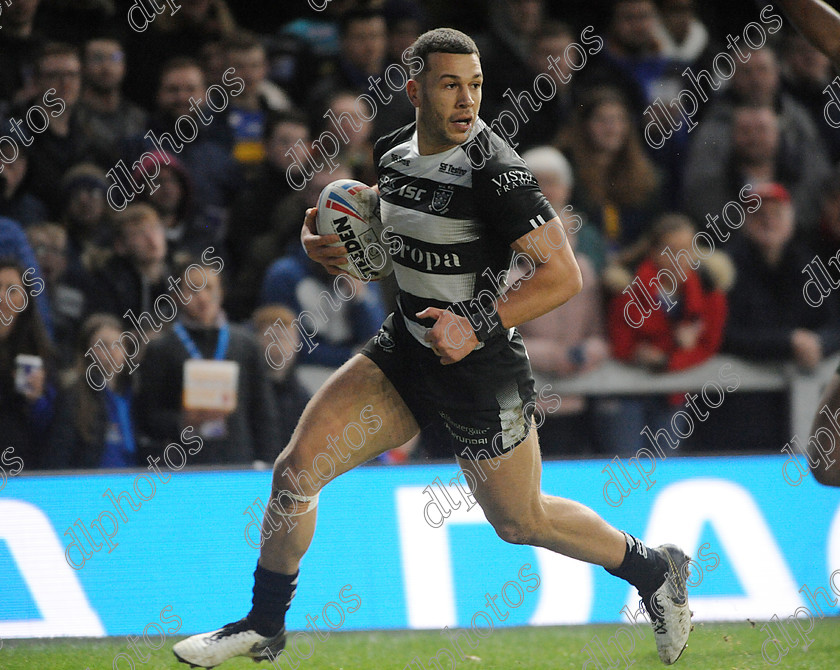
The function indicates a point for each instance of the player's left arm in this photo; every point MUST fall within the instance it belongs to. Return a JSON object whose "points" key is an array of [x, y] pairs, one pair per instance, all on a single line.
{"points": [[556, 277]]}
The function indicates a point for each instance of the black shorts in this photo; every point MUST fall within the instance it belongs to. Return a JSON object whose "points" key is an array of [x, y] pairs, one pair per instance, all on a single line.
{"points": [[484, 402]]}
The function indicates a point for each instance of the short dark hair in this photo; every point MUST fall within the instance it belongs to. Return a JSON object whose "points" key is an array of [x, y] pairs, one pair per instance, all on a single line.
{"points": [[444, 41], [354, 15], [242, 40], [275, 119], [179, 63], [51, 49]]}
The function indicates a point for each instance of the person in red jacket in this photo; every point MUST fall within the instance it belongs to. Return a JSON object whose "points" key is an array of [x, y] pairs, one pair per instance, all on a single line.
{"points": [[685, 330]]}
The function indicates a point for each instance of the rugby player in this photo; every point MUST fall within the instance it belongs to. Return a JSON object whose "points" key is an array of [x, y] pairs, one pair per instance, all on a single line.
{"points": [[818, 22], [473, 205], [820, 25]]}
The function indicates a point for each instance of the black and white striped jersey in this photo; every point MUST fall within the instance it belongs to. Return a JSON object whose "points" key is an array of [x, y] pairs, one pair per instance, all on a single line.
{"points": [[450, 218]]}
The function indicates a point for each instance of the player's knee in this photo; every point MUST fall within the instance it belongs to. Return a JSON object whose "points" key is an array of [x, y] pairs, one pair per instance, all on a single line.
{"points": [[515, 531], [290, 475]]}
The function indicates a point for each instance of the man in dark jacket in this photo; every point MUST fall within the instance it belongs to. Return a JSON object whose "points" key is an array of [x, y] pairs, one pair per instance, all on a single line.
{"points": [[239, 435]]}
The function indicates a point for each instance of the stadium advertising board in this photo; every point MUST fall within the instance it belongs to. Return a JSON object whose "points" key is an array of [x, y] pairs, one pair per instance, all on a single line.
{"points": [[183, 548]]}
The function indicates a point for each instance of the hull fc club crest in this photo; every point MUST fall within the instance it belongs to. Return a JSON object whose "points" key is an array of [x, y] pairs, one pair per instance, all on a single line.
{"points": [[441, 198]]}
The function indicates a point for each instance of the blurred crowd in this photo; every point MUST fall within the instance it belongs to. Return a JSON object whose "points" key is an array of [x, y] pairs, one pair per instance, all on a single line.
{"points": [[208, 264]]}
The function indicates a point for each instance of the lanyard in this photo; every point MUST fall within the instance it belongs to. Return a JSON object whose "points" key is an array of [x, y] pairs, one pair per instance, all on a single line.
{"points": [[122, 408], [192, 349]]}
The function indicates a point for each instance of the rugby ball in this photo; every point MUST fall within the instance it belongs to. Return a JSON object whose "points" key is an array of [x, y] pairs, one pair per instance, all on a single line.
{"points": [[350, 209]]}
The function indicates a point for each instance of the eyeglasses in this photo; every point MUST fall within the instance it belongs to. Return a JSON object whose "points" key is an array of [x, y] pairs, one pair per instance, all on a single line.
{"points": [[115, 57]]}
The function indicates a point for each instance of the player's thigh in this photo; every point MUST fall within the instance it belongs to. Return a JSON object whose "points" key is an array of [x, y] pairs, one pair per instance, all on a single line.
{"points": [[508, 486], [356, 415]]}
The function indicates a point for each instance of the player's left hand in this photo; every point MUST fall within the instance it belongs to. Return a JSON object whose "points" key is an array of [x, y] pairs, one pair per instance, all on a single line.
{"points": [[452, 336]]}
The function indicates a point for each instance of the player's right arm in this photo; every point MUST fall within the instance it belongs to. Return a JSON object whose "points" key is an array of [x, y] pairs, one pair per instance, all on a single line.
{"points": [[818, 22]]}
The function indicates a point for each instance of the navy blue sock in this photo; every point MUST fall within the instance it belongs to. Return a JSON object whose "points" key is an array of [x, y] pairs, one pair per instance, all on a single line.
{"points": [[642, 566], [273, 593]]}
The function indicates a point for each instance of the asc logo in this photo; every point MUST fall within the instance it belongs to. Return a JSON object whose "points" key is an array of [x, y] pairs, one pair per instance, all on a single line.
{"points": [[441, 198]]}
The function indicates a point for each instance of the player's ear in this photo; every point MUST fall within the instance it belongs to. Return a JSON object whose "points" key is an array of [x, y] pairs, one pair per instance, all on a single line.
{"points": [[412, 90]]}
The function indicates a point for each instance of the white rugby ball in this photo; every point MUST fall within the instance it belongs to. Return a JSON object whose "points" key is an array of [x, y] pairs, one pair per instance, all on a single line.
{"points": [[350, 209]]}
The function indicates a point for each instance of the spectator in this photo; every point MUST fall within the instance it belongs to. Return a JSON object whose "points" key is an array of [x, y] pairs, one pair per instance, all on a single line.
{"points": [[241, 435], [135, 275], [827, 242], [684, 331], [172, 36], [82, 190], [769, 321], [108, 118], [64, 142], [248, 111], [364, 43], [16, 202], [214, 175], [616, 184], [806, 72], [554, 174], [506, 49], [14, 244], [301, 284], [95, 428], [64, 289], [683, 36], [290, 396], [20, 45], [27, 388], [405, 20], [567, 341], [633, 59], [357, 153], [757, 154], [547, 48], [799, 154], [256, 213], [189, 227]]}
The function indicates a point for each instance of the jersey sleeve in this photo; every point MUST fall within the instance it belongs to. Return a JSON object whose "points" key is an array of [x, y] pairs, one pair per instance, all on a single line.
{"points": [[508, 197]]}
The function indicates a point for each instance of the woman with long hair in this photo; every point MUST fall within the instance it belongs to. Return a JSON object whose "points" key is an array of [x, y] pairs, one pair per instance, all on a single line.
{"points": [[94, 426], [616, 184], [27, 392]]}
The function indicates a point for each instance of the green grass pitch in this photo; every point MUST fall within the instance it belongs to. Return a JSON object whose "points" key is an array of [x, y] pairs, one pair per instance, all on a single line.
{"points": [[719, 646]]}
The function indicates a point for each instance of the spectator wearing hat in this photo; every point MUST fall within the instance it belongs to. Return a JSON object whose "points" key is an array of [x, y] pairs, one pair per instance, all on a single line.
{"points": [[769, 319], [83, 212], [190, 227]]}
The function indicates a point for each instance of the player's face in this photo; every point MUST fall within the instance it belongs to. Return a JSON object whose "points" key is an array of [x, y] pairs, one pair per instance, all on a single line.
{"points": [[447, 98]]}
